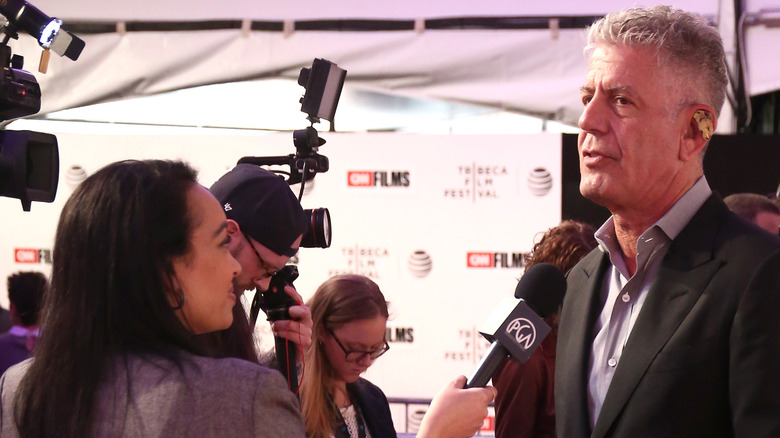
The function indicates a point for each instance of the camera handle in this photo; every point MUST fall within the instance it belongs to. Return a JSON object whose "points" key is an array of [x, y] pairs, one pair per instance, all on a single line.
{"points": [[276, 304]]}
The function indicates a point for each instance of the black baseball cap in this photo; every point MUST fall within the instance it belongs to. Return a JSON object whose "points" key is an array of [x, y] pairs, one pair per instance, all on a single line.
{"points": [[263, 205]]}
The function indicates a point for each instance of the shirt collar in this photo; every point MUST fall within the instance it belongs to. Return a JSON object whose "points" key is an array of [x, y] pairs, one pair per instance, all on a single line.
{"points": [[671, 223]]}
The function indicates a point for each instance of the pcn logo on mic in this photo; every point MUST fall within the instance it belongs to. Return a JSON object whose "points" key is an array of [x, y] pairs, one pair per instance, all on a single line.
{"points": [[523, 331]]}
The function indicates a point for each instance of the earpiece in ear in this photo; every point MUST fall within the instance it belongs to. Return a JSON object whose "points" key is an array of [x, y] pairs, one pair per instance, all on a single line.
{"points": [[704, 120]]}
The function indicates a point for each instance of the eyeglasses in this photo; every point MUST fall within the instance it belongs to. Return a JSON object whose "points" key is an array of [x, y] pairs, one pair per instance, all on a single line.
{"points": [[270, 271], [356, 355]]}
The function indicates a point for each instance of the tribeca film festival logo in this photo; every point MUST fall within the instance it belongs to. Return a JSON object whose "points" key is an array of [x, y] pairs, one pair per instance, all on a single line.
{"points": [[378, 178], [361, 260], [477, 182], [30, 255], [495, 259], [471, 346], [523, 331]]}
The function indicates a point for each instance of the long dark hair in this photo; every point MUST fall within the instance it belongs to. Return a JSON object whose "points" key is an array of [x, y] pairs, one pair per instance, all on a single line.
{"points": [[110, 291]]}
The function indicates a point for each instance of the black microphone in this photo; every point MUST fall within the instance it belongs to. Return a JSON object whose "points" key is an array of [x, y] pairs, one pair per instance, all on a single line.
{"points": [[540, 291]]}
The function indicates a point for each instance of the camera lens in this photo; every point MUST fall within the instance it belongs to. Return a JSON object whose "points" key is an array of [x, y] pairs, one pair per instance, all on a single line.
{"points": [[319, 232]]}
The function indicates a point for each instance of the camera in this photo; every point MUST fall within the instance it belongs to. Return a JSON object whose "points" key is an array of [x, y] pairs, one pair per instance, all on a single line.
{"points": [[29, 160], [323, 83]]}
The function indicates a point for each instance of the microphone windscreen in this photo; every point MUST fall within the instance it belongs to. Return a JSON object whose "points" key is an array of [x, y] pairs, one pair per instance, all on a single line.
{"points": [[542, 287]]}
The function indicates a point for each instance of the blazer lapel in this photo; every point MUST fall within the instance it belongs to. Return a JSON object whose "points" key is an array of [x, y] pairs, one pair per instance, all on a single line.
{"points": [[574, 340], [684, 273]]}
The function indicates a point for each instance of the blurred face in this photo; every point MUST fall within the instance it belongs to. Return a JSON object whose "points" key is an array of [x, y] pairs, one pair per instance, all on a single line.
{"points": [[768, 221], [364, 335], [205, 275], [629, 139], [258, 263]]}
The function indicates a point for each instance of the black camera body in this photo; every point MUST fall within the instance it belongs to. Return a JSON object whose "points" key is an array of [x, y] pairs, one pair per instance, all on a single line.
{"points": [[29, 160], [20, 94], [275, 302]]}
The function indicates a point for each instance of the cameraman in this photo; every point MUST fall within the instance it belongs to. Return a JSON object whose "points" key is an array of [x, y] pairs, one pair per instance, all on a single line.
{"points": [[265, 224]]}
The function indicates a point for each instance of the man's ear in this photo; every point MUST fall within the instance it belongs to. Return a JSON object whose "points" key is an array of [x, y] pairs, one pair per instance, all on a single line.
{"points": [[702, 122], [232, 227]]}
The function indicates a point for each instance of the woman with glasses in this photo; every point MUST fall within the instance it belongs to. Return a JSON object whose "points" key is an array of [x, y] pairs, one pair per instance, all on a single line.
{"points": [[350, 317]]}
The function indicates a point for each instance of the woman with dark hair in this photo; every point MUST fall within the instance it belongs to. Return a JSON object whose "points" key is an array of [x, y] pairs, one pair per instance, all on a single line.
{"points": [[350, 317], [140, 267], [524, 405]]}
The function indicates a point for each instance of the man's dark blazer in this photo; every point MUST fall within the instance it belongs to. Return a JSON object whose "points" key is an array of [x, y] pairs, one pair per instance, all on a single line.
{"points": [[703, 359]]}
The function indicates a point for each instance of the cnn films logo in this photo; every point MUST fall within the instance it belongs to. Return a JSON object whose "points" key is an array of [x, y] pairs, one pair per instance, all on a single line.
{"points": [[523, 331], [495, 259], [395, 335], [363, 260], [31, 255], [378, 178], [479, 182]]}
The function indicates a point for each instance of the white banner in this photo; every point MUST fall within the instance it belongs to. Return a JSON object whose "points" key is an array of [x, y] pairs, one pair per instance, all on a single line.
{"points": [[439, 222]]}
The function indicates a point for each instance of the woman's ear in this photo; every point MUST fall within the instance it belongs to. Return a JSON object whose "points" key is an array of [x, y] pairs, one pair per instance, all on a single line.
{"points": [[322, 335]]}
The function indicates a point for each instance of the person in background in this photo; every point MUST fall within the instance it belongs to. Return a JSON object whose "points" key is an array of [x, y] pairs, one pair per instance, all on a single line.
{"points": [[350, 317], [140, 267], [756, 208], [669, 329], [25, 292], [525, 407], [265, 223], [5, 320]]}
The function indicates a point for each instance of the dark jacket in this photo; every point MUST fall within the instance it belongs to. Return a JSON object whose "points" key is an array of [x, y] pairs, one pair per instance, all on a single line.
{"points": [[703, 355], [374, 406]]}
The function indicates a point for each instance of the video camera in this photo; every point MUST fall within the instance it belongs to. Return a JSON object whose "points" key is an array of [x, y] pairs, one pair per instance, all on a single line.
{"points": [[29, 160], [323, 83]]}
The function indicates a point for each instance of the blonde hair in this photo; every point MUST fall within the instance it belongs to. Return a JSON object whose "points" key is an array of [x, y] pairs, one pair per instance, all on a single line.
{"points": [[339, 300]]}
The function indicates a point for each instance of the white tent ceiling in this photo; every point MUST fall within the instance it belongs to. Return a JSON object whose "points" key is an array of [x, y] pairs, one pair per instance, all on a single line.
{"points": [[532, 71]]}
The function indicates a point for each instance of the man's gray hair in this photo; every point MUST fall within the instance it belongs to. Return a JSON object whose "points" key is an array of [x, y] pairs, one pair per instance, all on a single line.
{"points": [[681, 40]]}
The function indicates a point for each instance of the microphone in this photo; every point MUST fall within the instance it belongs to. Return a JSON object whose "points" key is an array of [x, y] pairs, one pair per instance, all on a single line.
{"points": [[540, 291]]}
